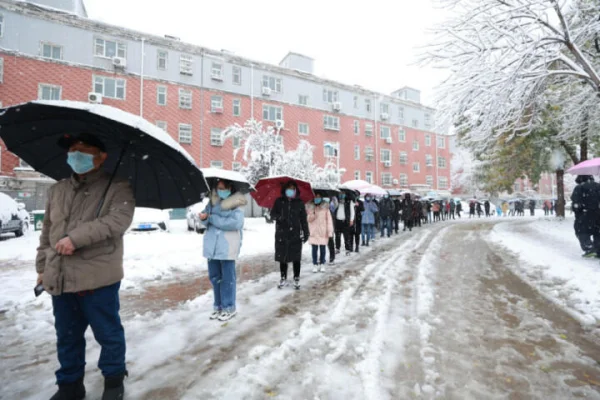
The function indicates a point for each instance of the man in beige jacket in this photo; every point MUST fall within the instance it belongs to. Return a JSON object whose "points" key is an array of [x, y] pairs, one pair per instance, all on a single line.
{"points": [[80, 263]]}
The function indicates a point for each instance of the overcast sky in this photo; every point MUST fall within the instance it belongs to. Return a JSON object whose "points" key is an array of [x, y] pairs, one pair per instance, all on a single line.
{"points": [[369, 43]]}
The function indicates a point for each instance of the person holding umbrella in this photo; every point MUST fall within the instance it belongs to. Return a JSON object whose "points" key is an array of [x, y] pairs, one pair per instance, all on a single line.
{"points": [[344, 221], [291, 231], [224, 219], [80, 263], [368, 219], [320, 225]]}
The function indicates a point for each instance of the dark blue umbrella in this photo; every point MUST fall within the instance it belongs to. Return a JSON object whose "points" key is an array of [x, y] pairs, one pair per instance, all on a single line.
{"points": [[162, 174]]}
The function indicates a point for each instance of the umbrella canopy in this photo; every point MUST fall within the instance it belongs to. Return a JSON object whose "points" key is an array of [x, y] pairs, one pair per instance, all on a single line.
{"points": [[326, 192], [239, 181], [394, 192], [269, 189], [364, 187], [162, 174], [588, 167]]}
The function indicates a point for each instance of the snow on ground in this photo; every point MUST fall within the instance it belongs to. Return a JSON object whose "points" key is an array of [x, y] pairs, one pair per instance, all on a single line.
{"points": [[552, 262]]}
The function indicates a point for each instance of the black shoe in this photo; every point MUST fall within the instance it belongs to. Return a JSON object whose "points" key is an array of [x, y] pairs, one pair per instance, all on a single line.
{"points": [[363, 243], [70, 391], [113, 387]]}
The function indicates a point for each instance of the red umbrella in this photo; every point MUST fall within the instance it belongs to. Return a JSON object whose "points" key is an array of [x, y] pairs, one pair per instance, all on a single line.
{"points": [[269, 189]]}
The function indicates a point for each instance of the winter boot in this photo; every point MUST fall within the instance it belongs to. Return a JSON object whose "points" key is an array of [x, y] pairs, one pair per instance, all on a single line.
{"points": [[363, 243], [297, 283], [283, 282], [113, 387], [70, 391]]}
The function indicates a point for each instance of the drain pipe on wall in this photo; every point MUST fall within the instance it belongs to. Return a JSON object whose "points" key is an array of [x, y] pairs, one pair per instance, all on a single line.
{"points": [[201, 107], [142, 81], [252, 91]]}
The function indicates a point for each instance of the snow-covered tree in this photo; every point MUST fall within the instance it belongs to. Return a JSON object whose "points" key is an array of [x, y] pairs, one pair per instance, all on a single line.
{"points": [[262, 149], [507, 58], [297, 163], [328, 176]]}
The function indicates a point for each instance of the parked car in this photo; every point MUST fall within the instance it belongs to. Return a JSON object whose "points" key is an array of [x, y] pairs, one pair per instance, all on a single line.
{"points": [[193, 218], [13, 216], [150, 219]]}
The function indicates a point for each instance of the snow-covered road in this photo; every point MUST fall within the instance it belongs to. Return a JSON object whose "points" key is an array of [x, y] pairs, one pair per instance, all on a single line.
{"points": [[441, 312]]}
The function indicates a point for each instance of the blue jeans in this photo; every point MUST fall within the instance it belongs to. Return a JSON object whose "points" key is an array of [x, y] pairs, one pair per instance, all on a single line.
{"points": [[386, 223], [222, 276], [367, 231], [73, 312], [315, 250]]}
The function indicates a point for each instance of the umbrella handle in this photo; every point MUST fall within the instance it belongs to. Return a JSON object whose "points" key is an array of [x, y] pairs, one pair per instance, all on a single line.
{"points": [[112, 177]]}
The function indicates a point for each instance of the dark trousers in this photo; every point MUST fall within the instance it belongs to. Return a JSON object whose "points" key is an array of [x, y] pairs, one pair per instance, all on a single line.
{"points": [[343, 228], [73, 313], [331, 246], [315, 250], [396, 223], [408, 224], [357, 233], [589, 242], [386, 223], [452, 214], [283, 267]]}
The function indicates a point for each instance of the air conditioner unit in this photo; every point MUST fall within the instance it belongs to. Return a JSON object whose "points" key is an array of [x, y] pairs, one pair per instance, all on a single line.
{"points": [[217, 77], [387, 163], [119, 62], [266, 91], [337, 106], [95, 98], [388, 140], [218, 110], [395, 181], [279, 124], [385, 116]]}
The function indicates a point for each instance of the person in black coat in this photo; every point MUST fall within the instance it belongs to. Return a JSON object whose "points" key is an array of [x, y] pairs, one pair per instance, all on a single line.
{"points": [[586, 204], [396, 216], [458, 209], [359, 207], [532, 207], [486, 206], [407, 208], [386, 212], [291, 231]]}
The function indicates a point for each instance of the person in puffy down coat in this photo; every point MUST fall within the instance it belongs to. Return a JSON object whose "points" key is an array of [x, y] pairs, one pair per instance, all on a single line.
{"points": [[320, 225]]}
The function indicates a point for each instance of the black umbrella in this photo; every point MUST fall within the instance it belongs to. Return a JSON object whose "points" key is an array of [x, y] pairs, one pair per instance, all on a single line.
{"points": [[162, 174], [326, 192], [238, 181]]}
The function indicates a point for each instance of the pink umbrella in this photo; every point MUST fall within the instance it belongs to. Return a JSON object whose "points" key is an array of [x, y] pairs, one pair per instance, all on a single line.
{"points": [[363, 187], [589, 167]]}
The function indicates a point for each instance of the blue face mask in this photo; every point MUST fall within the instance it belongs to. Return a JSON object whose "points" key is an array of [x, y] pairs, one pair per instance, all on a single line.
{"points": [[385, 196], [223, 194], [290, 193], [79, 162], [318, 200], [367, 198], [342, 196]]}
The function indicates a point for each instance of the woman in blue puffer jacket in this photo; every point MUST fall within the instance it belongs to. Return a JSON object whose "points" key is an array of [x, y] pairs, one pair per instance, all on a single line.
{"points": [[368, 219], [224, 220]]}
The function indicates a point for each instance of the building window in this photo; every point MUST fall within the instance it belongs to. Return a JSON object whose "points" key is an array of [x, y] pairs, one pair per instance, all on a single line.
{"points": [[369, 177], [368, 105], [403, 180], [185, 99], [355, 102], [403, 158], [162, 125], [384, 132], [162, 58], [216, 104], [442, 182], [357, 152], [416, 167], [216, 71], [386, 156], [109, 87], [368, 153], [185, 133], [368, 129], [236, 75], [52, 51], [415, 123], [428, 140], [49, 92], [272, 83], [303, 128], [302, 100], [401, 135], [441, 142], [330, 149], [272, 113], [429, 180], [331, 122], [356, 175], [384, 108], [110, 48], [216, 164], [186, 64], [236, 166], [236, 142], [237, 107], [415, 146], [401, 114], [441, 162], [428, 160], [357, 127], [216, 137], [386, 179], [427, 120], [161, 95], [330, 96]]}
